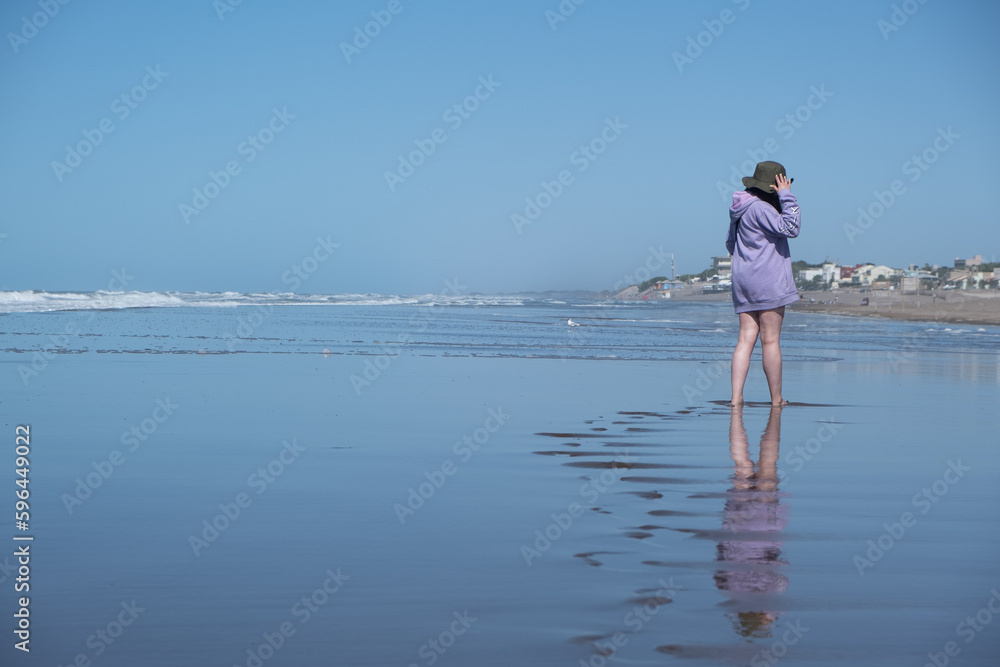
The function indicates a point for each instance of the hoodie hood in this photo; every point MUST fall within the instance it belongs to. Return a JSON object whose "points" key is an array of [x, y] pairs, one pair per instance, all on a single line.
{"points": [[741, 202]]}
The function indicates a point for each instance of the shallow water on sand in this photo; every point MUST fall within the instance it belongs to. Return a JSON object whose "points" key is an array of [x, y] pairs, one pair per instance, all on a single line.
{"points": [[487, 486]]}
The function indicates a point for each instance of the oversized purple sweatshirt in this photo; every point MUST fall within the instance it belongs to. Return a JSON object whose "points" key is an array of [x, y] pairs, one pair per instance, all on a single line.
{"points": [[758, 241]]}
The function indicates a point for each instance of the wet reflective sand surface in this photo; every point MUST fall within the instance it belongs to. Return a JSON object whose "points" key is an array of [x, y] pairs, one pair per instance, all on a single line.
{"points": [[533, 508]]}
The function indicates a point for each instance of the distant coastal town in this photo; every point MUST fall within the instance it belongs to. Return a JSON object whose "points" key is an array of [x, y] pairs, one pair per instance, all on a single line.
{"points": [[964, 274]]}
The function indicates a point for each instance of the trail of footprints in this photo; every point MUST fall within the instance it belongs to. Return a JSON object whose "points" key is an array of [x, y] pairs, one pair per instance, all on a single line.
{"points": [[746, 559]]}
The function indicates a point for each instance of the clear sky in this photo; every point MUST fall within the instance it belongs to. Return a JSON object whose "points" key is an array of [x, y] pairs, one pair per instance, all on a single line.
{"points": [[309, 129]]}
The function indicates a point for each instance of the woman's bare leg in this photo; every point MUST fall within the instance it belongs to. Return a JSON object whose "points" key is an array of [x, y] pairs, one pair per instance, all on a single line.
{"points": [[770, 343], [749, 328]]}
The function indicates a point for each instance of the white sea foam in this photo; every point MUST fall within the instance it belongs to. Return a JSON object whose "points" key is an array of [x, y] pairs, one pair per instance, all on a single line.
{"points": [[39, 301]]}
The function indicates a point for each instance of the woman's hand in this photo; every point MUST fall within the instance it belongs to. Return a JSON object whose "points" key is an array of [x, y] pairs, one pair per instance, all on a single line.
{"points": [[783, 183]]}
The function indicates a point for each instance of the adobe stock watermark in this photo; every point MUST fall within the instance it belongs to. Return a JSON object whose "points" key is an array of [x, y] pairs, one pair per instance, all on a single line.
{"points": [[302, 610], [122, 107], [590, 491], [432, 650], [656, 260], [259, 481], [41, 359], [923, 500], [779, 647], [104, 637], [562, 12], [37, 21], [968, 629], [247, 324], [454, 116], [133, 439], [714, 28], [581, 158], [807, 451], [381, 18], [248, 149], [899, 16], [420, 322], [786, 127], [580, 335], [635, 620], [464, 449], [706, 380], [298, 273], [223, 7], [915, 168], [907, 351]]}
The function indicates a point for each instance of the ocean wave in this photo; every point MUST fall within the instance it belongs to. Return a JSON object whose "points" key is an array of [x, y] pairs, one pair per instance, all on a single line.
{"points": [[36, 301]]}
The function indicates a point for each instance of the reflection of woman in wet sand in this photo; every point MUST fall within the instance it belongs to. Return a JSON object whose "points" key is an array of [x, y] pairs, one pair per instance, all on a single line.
{"points": [[752, 512]]}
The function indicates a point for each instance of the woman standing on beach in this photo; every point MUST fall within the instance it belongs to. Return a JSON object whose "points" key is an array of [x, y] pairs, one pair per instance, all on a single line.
{"points": [[761, 220]]}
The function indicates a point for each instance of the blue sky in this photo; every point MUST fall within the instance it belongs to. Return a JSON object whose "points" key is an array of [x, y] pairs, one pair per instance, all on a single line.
{"points": [[327, 131]]}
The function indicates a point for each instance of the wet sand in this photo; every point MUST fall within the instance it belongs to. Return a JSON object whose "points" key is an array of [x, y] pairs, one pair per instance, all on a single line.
{"points": [[495, 511], [947, 306], [944, 306], [759, 551]]}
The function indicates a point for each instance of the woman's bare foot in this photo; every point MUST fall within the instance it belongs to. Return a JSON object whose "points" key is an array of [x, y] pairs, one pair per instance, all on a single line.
{"points": [[779, 403], [736, 403]]}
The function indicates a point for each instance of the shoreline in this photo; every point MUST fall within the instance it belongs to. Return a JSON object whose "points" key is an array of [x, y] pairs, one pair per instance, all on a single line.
{"points": [[979, 307], [937, 317]]}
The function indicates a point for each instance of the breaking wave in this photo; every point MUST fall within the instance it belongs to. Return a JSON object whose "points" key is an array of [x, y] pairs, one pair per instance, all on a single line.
{"points": [[38, 301]]}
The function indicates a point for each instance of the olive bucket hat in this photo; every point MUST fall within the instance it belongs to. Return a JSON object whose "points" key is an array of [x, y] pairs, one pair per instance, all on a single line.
{"points": [[764, 176]]}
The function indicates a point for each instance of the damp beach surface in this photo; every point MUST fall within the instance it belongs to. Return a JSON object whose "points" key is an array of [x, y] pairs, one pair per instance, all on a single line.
{"points": [[480, 484]]}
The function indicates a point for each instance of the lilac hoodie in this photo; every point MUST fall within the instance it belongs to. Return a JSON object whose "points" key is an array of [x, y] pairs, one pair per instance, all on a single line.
{"points": [[758, 241]]}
